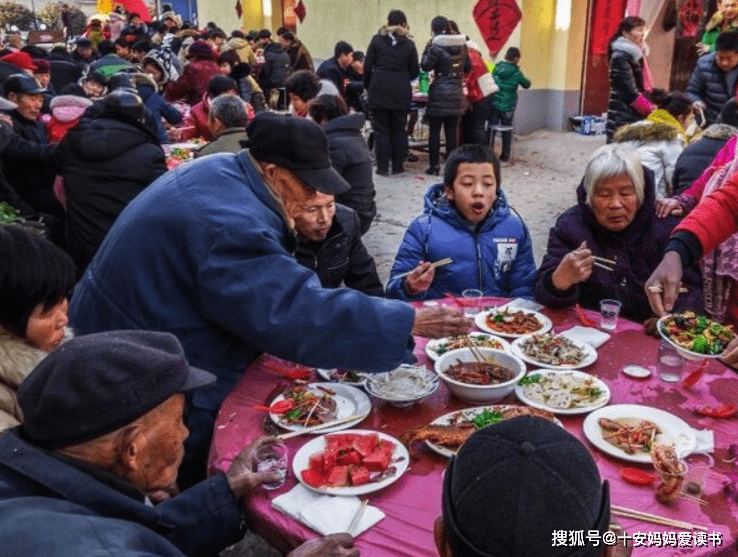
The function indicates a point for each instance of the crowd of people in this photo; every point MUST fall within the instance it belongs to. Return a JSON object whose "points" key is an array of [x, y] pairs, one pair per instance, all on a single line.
{"points": [[256, 246]]}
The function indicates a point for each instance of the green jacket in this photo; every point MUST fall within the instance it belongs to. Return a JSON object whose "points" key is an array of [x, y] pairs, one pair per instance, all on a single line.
{"points": [[714, 27], [508, 76]]}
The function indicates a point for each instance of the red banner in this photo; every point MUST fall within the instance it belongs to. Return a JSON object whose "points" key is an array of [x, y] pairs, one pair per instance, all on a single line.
{"points": [[607, 16], [496, 20]]}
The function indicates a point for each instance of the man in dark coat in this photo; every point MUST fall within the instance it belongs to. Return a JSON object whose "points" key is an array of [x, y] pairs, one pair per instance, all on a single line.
{"points": [[276, 66], [300, 58], [101, 442], [698, 155], [63, 70], [714, 78], [329, 243], [333, 68], [106, 160], [32, 182], [391, 63]]}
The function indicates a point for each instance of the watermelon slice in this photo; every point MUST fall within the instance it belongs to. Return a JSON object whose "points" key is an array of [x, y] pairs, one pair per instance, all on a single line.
{"points": [[359, 475], [315, 462], [365, 444], [313, 478], [337, 476], [349, 457], [379, 460]]}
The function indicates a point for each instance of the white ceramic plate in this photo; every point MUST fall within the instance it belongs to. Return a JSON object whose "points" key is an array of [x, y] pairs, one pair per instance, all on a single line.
{"points": [[400, 459], [467, 414], [481, 321], [660, 325], [674, 430], [349, 401], [599, 402], [330, 375], [637, 372], [433, 345], [590, 355]]}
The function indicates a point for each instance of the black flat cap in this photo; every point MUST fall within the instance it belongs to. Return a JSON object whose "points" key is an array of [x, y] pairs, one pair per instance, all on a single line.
{"points": [[95, 384], [297, 144]]}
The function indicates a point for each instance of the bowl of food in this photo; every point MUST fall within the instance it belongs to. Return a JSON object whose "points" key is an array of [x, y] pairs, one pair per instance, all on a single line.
{"points": [[404, 386], [480, 375]]}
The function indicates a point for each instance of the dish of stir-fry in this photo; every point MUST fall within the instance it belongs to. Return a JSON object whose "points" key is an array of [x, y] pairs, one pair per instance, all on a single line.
{"points": [[300, 405], [696, 333], [479, 373], [557, 390], [632, 435], [554, 350], [437, 347], [513, 322]]}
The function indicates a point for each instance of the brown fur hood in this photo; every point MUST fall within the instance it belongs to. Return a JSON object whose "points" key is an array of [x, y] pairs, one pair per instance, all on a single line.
{"points": [[646, 131]]}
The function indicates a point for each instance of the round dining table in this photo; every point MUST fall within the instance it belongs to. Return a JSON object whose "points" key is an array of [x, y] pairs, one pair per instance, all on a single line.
{"points": [[413, 502]]}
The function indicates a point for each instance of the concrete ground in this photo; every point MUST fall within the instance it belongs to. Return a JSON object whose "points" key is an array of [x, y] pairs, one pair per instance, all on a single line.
{"points": [[540, 182]]}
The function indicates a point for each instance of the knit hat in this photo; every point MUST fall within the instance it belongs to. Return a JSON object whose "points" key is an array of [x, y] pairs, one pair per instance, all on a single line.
{"points": [[20, 60], [513, 484], [200, 50]]}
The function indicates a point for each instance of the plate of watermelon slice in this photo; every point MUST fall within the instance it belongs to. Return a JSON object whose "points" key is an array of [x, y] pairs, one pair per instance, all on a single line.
{"points": [[352, 462]]}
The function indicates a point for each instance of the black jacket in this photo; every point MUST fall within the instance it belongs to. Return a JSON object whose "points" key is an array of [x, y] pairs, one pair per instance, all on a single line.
{"points": [[107, 160], [331, 71], [711, 85], [30, 167], [350, 156], [446, 56], [390, 65], [697, 156], [63, 70], [341, 258], [626, 84], [276, 67]]}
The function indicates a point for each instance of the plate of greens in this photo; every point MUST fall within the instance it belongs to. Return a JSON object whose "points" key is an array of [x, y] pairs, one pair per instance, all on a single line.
{"points": [[695, 336]]}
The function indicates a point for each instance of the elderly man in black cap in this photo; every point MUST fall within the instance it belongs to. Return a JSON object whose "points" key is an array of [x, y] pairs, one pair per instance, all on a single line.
{"points": [[101, 441], [205, 252], [515, 488]]}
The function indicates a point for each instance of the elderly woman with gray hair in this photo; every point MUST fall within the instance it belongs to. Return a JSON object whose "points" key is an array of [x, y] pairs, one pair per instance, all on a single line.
{"points": [[614, 219]]}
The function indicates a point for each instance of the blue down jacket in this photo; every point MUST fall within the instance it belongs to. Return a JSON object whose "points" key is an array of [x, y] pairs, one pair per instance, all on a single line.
{"points": [[204, 253], [711, 85], [48, 506], [497, 258]]}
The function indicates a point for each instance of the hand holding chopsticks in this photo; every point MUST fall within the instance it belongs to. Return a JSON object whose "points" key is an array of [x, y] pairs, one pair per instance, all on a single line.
{"points": [[575, 267], [439, 263]]}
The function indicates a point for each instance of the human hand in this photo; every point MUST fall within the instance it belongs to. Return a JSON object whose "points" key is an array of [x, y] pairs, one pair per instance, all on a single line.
{"points": [[662, 287], [702, 49], [440, 322], [575, 267], [730, 355], [335, 545], [242, 476], [421, 278], [175, 134], [668, 206]]}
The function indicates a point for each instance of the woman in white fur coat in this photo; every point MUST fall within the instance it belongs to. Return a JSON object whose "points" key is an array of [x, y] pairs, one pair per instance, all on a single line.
{"points": [[35, 285]]}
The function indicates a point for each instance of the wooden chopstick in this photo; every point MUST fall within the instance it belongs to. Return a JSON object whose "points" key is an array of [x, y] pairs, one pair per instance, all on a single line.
{"points": [[603, 260], [439, 263], [655, 519], [476, 352], [318, 427], [694, 499], [657, 288], [596, 264], [357, 516]]}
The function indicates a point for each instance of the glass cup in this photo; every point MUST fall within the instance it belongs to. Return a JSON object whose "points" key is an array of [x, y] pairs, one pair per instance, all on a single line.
{"points": [[472, 301], [272, 457], [609, 313], [699, 465], [670, 363]]}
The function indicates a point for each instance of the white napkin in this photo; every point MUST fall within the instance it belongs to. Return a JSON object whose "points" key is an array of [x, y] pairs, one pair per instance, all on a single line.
{"points": [[591, 336], [326, 514], [522, 303], [705, 441]]}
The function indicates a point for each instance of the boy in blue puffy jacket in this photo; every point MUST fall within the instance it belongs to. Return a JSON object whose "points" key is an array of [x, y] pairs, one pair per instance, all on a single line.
{"points": [[466, 218]]}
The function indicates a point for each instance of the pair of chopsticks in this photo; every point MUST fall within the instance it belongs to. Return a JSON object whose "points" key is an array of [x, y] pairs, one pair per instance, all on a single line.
{"points": [[602, 263], [357, 516], [476, 352], [655, 519], [439, 263], [657, 289], [318, 427]]}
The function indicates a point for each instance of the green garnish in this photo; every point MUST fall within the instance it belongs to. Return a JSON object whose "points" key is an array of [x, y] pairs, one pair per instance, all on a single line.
{"points": [[498, 318], [529, 379], [487, 418], [701, 323], [716, 347], [701, 344], [293, 414]]}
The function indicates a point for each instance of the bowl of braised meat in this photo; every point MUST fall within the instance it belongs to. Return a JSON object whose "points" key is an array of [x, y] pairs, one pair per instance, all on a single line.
{"points": [[480, 374]]}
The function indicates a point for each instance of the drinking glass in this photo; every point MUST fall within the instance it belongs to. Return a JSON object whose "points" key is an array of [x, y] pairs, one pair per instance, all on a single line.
{"points": [[670, 363], [609, 313], [272, 457], [472, 301], [699, 464]]}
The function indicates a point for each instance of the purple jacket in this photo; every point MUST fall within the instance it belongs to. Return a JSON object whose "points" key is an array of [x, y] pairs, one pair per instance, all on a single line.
{"points": [[638, 250]]}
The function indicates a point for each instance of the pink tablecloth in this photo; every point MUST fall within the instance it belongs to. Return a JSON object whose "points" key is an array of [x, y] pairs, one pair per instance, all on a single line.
{"points": [[413, 502]]}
